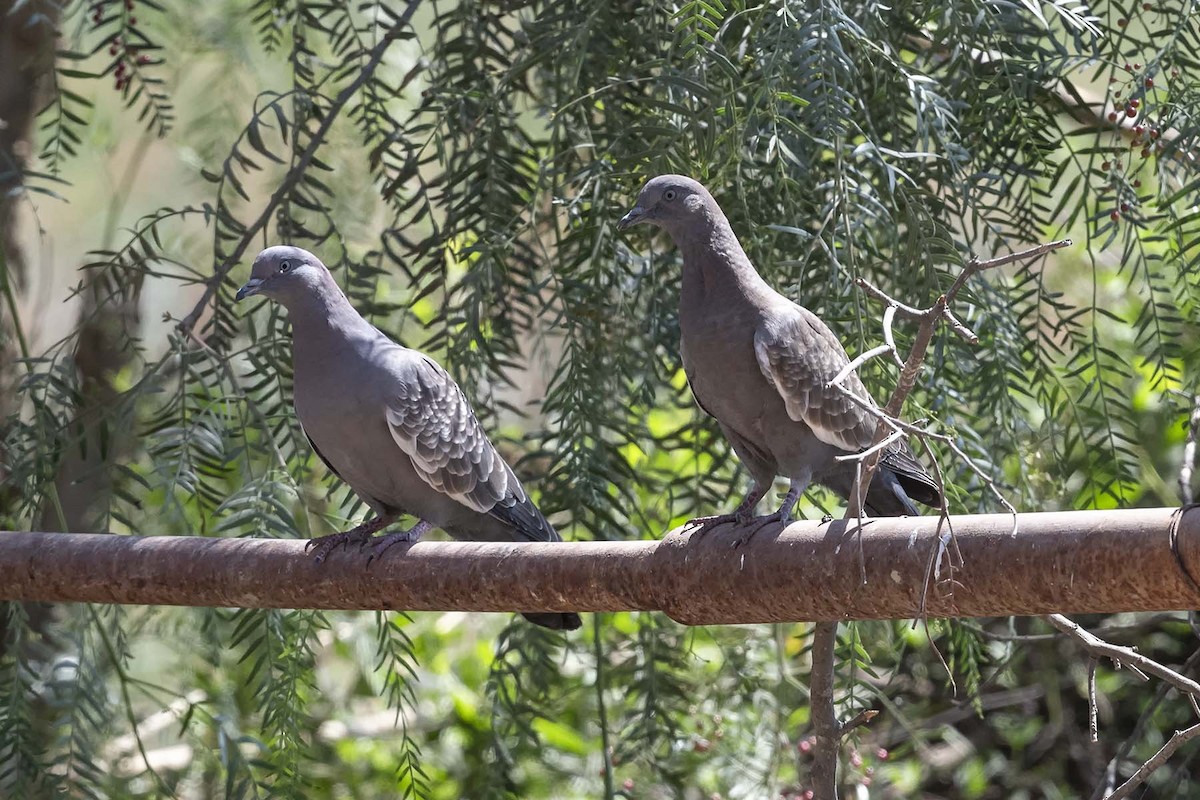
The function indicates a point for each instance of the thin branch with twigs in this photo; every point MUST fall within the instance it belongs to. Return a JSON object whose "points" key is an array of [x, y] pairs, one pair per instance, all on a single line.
{"points": [[1141, 666], [828, 731], [1127, 657], [1155, 761], [929, 319]]}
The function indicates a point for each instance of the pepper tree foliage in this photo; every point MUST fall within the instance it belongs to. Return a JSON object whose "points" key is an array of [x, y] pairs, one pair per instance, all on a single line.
{"points": [[461, 175]]}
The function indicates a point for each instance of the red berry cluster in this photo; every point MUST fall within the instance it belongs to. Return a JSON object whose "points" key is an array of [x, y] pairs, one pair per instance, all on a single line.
{"points": [[1129, 108], [1146, 136], [98, 11], [124, 69], [128, 54]]}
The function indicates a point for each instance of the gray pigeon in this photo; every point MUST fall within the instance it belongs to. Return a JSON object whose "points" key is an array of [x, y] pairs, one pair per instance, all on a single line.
{"points": [[759, 364], [391, 423]]}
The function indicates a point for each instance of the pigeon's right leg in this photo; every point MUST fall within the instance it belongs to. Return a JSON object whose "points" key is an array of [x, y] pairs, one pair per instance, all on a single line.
{"points": [[322, 546], [741, 515], [413, 534]]}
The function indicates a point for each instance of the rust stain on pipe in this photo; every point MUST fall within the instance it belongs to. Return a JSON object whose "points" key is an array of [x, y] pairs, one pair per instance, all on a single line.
{"points": [[1069, 562]]}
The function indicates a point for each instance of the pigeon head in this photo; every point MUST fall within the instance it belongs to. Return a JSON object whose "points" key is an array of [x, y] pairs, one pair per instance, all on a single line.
{"points": [[669, 202], [284, 274]]}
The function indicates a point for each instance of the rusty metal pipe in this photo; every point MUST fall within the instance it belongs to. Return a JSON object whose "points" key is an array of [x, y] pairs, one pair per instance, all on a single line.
{"points": [[1070, 562]]}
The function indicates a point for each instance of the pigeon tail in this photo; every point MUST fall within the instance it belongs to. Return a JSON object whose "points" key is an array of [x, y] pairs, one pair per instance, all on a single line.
{"points": [[916, 482], [887, 498], [566, 621], [525, 519]]}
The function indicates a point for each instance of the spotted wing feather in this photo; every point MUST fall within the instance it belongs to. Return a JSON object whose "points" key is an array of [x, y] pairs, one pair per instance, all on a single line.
{"points": [[431, 421], [799, 355]]}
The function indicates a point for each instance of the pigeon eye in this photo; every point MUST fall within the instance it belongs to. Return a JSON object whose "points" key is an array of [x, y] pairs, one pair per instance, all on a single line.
{"points": [[669, 194], [285, 266]]}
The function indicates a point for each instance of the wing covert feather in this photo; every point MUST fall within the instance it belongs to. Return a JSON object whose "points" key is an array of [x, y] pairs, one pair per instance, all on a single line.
{"points": [[799, 355], [432, 422], [430, 419]]}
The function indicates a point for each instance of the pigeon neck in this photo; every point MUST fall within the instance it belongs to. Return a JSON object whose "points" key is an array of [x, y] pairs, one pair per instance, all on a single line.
{"points": [[316, 312], [715, 263]]}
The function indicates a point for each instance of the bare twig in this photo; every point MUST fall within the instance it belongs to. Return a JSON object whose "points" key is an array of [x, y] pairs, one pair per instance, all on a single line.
{"points": [[1189, 453], [926, 434], [1093, 730], [1123, 656], [975, 266], [1144, 625], [860, 719], [946, 519], [905, 311], [1109, 778], [858, 362], [1164, 753], [889, 315], [884, 444], [958, 327]]}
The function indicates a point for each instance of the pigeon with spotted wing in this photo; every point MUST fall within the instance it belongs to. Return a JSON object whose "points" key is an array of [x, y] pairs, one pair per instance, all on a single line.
{"points": [[391, 423], [760, 365]]}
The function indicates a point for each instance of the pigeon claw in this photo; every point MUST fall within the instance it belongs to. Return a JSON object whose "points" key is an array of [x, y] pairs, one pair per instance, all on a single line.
{"points": [[322, 546], [702, 525], [781, 518], [382, 543]]}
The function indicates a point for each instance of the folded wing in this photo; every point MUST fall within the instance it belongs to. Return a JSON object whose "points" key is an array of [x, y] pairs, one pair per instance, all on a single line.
{"points": [[430, 419], [799, 356]]}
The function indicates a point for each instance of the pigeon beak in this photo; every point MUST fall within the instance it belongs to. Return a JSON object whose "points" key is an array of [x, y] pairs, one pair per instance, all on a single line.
{"points": [[635, 215], [249, 288]]}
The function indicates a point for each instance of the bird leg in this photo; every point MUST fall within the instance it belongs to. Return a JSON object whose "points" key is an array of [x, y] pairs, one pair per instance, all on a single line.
{"points": [[322, 546], [409, 536], [741, 515], [784, 515]]}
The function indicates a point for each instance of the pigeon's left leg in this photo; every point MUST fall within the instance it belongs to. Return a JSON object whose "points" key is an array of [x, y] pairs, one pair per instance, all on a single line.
{"points": [[741, 515], [324, 545], [409, 536], [784, 515]]}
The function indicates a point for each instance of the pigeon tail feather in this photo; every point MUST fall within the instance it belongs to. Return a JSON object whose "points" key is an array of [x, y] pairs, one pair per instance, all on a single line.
{"points": [[525, 519], [887, 498], [565, 621]]}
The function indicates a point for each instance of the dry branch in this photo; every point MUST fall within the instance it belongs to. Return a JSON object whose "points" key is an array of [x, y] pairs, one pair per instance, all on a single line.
{"points": [[1123, 656], [827, 730], [1142, 667], [929, 319], [1157, 760]]}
